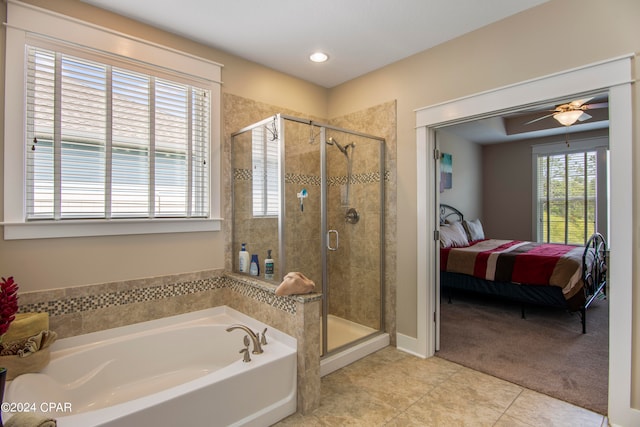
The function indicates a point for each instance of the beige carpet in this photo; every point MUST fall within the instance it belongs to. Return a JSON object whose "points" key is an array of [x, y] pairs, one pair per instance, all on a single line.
{"points": [[545, 352]]}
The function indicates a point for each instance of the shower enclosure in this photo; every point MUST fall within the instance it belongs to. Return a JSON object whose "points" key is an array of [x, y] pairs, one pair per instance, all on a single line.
{"points": [[313, 195]]}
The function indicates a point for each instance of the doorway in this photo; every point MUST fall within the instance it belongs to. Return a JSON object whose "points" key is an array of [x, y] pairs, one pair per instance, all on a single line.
{"points": [[492, 186], [614, 76]]}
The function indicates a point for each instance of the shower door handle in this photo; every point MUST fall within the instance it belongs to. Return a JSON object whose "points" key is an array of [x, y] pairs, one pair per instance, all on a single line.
{"points": [[329, 233]]}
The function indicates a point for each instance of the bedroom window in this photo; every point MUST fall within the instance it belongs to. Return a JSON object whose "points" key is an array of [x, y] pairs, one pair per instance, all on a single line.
{"points": [[107, 142], [264, 160], [569, 188]]}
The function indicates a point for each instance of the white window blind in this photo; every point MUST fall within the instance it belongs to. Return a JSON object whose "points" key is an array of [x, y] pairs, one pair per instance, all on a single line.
{"points": [[104, 141], [567, 196], [264, 155]]}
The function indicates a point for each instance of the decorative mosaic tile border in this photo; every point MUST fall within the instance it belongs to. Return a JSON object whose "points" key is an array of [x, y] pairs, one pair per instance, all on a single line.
{"points": [[156, 293], [358, 178], [292, 178], [281, 303], [117, 298], [265, 292], [242, 174]]}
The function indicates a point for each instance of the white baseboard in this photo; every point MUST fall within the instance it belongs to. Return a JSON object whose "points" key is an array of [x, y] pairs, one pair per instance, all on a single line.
{"points": [[409, 345]]}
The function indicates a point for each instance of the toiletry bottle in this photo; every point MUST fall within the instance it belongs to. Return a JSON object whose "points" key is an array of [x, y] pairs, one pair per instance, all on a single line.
{"points": [[243, 259], [254, 269], [268, 266]]}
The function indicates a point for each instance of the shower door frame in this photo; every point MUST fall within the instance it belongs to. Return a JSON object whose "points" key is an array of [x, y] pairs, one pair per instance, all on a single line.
{"points": [[324, 208], [324, 236]]}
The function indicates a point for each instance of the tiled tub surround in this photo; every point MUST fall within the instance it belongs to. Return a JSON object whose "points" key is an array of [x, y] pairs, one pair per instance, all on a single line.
{"points": [[79, 310]]}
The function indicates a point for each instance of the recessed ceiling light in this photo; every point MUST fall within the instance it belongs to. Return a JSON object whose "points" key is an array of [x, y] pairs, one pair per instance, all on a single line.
{"points": [[318, 57]]}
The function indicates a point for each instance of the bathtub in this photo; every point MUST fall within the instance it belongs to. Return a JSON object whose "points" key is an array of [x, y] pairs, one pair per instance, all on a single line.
{"points": [[182, 370]]}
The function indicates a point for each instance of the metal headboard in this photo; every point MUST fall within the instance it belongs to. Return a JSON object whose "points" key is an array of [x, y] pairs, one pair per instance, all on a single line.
{"points": [[446, 212]]}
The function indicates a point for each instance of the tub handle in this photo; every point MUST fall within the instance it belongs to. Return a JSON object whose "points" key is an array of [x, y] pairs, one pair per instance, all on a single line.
{"points": [[263, 337], [246, 357]]}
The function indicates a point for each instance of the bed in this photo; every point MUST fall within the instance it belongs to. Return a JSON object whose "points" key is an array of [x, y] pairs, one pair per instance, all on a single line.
{"points": [[564, 276]]}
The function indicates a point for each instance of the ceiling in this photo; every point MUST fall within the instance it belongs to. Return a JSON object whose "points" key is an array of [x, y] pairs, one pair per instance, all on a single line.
{"points": [[358, 35], [518, 125]]}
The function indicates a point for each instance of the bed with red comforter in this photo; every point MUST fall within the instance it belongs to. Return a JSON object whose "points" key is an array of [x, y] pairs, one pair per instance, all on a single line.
{"points": [[529, 272]]}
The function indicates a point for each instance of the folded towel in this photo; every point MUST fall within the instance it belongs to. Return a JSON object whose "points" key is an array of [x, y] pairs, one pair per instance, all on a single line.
{"points": [[295, 283], [27, 346], [27, 354], [27, 419], [26, 325], [17, 365]]}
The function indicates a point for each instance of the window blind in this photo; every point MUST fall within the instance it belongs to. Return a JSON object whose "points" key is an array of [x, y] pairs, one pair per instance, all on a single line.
{"points": [[108, 142], [566, 197], [264, 155]]}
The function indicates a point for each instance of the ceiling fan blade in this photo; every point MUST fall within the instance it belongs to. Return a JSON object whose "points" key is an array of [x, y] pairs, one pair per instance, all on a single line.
{"points": [[579, 102], [538, 119], [594, 106], [583, 117]]}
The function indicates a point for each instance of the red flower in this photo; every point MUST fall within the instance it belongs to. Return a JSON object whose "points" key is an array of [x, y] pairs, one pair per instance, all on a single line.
{"points": [[8, 303]]}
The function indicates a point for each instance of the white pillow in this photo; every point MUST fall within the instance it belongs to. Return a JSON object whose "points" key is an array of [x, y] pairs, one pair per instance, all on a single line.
{"points": [[453, 235], [474, 229]]}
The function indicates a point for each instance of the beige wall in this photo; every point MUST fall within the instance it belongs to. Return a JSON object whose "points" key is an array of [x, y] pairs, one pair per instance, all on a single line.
{"points": [[57, 263], [507, 186], [466, 192], [510, 51]]}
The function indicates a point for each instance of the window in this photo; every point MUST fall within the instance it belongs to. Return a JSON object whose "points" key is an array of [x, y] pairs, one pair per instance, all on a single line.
{"points": [[107, 134], [569, 185], [264, 160], [107, 142]]}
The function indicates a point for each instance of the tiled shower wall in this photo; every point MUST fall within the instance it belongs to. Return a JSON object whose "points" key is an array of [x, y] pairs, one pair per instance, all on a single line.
{"points": [[379, 120], [355, 273], [302, 223], [353, 298], [259, 234]]}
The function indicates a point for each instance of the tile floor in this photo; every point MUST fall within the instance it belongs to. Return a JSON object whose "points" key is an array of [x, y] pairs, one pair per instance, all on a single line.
{"points": [[392, 388]]}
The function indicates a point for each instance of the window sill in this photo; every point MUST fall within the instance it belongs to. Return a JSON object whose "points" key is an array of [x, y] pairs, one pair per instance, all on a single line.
{"points": [[85, 228]]}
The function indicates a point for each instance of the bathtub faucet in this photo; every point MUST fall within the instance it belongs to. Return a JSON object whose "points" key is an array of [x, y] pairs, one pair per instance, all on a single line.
{"points": [[257, 347]]}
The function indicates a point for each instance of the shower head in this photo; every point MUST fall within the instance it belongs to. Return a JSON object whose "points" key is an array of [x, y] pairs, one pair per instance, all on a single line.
{"points": [[343, 149]]}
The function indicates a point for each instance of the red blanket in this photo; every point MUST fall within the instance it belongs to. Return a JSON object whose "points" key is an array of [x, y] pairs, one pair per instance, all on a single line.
{"points": [[529, 263]]}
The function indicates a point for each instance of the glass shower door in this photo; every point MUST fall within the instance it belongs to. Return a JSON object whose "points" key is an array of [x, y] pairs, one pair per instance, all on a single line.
{"points": [[353, 196]]}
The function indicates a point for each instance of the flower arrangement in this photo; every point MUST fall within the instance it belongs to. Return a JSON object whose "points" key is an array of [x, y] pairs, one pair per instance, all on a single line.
{"points": [[8, 304]]}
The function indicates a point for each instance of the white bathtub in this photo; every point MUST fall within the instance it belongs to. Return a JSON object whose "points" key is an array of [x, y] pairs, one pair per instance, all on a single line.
{"points": [[183, 370]]}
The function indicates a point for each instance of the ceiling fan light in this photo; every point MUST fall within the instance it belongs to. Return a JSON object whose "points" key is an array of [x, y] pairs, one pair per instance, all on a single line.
{"points": [[567, 118]]}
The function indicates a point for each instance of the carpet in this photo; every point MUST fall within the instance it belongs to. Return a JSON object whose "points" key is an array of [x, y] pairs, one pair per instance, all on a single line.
{"points": [[545, 352]]}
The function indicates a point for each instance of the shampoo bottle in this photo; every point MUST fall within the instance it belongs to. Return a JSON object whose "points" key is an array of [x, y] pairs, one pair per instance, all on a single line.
{"points": [[254, 269], [268, 266], [243, 259]]}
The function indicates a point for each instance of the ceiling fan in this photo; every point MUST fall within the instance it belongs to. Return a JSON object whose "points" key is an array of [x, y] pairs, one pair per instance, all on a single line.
{"points": [[568, 114]]}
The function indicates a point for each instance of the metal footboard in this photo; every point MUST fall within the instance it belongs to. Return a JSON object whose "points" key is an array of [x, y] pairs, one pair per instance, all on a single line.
{"points": [[595, 259]]}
